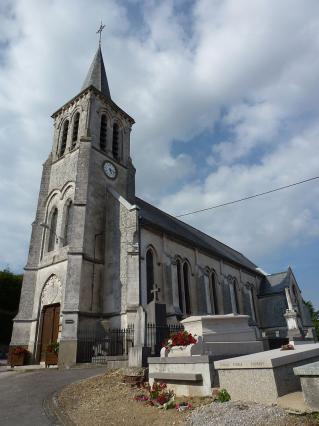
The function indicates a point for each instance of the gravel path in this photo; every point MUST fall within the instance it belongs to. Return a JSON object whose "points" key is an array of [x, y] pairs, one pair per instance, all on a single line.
{"points": [[239, 414]]}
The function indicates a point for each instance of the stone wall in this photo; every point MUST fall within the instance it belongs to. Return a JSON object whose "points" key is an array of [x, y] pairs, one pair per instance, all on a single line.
{"points": [[166, 250]]}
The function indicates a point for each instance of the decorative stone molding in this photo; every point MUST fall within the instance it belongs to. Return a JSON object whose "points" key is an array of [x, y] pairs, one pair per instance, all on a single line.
{"points": [[52, 291]]}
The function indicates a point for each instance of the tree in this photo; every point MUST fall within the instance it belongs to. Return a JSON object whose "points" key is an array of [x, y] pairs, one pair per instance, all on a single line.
{"points": [[314, 316], [10, 290]]}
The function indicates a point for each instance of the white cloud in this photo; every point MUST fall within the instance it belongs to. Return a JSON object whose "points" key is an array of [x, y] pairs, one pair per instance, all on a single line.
{"points": [[255, 61]]}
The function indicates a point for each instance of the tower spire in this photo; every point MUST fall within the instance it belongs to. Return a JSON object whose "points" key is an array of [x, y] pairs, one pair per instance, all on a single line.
{"points": [[96, 75]]}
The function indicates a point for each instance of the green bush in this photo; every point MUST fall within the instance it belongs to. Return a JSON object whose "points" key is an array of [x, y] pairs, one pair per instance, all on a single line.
{"points": [[222, 396]]}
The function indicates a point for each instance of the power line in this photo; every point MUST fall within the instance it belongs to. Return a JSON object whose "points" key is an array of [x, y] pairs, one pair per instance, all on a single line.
{"points": [[248, 198]]}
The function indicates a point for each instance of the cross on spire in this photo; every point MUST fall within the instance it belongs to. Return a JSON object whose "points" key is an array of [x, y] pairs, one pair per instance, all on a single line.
{"points": [[99, 31], [155, 292]]}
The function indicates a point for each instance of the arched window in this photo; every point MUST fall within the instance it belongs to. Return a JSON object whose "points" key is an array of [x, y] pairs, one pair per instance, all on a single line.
{"points": [[213, 294], [233, 290], [179, 285], [52, 229], [103, 132], [64, 137], [253, 307], [75, 129], [235, 287], [115, 144], [68, 223], [149, 274], [186, 288]]}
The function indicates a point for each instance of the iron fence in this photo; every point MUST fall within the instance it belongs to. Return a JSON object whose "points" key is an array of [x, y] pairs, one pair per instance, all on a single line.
{"points": [[157, 334], [96, 346]]}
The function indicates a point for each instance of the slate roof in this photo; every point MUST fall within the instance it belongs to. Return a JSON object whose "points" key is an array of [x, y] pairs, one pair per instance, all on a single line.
{"points": [[150, 215], [97, 76], [275, 283]]}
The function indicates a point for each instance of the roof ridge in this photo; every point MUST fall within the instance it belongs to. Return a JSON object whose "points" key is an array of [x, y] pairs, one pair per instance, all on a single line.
{"points": [[277, 273], [195, 229]]}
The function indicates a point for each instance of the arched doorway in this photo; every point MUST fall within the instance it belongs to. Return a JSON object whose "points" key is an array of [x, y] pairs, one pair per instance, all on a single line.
{"points": [[50, 319], [49, 314]]}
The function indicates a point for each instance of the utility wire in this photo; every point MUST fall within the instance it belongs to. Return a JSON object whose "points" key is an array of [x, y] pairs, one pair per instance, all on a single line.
{"points": [[249, 198]]}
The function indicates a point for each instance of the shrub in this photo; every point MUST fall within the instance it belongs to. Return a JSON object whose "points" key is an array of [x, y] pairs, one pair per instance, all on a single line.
{"points": [[222, 396]]}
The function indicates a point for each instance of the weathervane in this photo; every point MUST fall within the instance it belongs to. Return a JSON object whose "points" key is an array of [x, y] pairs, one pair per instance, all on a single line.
{"points": [[99, 31]]}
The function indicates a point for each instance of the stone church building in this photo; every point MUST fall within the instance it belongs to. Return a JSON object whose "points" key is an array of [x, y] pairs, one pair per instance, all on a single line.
{"points": [[98, 253]]}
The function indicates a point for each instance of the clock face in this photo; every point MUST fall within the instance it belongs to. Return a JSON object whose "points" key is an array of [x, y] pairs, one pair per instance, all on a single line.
{"points": [[110, 170]]}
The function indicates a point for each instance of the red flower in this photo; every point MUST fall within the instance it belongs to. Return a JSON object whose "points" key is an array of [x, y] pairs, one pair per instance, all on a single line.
{"points": [[182, 338]]}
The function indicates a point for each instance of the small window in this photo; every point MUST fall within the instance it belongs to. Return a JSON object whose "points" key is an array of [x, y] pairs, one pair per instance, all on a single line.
{"points": [[179, 284], [213, 293], [52, 229], [115, 145], [149, 274], [75, 129], [68, 223], [103, 132], [186, 288], [64, 137]]}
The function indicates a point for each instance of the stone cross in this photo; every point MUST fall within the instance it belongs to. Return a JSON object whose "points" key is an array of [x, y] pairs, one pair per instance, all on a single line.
{"points": [[99, 31], [155, 291]]}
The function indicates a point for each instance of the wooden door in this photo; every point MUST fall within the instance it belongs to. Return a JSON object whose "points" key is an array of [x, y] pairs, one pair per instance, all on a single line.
{"points": [[50, 327]]}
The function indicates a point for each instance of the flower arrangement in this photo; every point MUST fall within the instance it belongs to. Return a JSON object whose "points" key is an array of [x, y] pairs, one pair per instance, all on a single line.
{"points": [[182, 338], [158, 395], [19, 350], [288, 347], [53, 347]]}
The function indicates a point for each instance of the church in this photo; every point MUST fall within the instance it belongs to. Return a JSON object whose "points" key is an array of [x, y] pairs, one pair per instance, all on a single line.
{"points": [[99, 254]]}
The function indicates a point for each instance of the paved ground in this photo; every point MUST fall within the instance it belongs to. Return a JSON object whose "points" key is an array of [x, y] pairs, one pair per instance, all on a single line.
{"points": [[22, 394]]}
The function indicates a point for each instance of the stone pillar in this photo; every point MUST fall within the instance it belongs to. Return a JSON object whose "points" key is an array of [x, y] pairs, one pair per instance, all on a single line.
{"points": [[68, 340]]}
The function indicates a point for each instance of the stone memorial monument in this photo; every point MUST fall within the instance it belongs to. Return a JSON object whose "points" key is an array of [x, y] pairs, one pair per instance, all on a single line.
{"points": [[189, 370]]}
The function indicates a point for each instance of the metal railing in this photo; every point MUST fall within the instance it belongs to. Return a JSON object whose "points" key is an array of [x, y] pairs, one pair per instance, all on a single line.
{"points": [[96, 346], [157, 334]]}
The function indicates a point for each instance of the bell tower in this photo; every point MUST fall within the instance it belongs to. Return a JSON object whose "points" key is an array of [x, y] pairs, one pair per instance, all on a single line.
{"points": [[71, 269]]}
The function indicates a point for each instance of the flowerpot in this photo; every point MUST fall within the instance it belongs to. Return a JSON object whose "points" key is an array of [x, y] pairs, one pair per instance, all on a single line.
{"points": [[17, 359], [51, 358]]}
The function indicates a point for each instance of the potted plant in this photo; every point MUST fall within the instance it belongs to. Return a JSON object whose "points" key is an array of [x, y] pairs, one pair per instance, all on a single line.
{"points": [[18, 356], [52, 353]]}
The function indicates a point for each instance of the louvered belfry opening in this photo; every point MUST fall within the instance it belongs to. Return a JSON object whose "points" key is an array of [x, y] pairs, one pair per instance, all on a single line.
{"points": [[103, 133], [115, 145], [75, 129], [64, 137]]}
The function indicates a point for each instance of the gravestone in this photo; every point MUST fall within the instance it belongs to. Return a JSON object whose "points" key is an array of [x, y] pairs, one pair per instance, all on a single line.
{"points": [[156, 322], [189, 370], [309, 378], [264, 376]]}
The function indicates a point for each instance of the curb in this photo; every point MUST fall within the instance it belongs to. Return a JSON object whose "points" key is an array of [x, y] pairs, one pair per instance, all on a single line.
{"points": [[55, 413]]}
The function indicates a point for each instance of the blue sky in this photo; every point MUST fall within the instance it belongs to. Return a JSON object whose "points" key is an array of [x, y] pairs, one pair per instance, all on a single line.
{"points": [[225, 98]]}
